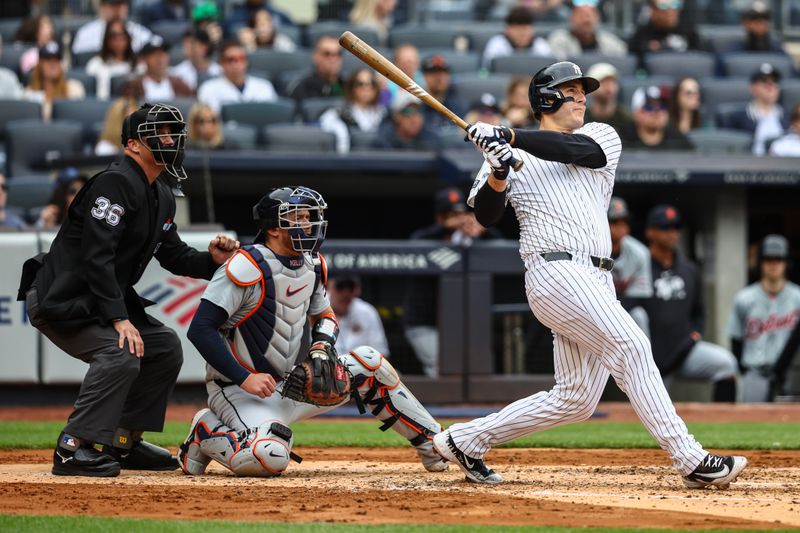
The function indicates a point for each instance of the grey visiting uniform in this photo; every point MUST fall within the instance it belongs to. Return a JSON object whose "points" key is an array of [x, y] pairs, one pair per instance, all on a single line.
{"points": [[763, 324], [633, 279]]}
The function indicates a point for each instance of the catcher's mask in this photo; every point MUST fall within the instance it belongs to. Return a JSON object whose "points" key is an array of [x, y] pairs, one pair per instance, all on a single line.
{"points": [[281, 209], [161, 128]]}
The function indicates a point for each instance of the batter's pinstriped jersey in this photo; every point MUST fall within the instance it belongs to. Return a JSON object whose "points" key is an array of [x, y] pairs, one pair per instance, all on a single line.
{"points": [[562, 207]]}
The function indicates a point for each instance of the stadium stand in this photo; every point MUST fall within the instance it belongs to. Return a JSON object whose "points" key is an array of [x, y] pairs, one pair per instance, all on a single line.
{"points": [[30, 144], [298, 137]]}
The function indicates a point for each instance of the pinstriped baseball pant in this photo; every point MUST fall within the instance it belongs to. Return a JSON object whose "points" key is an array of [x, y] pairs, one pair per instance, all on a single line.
{"points": [[594, 337]]}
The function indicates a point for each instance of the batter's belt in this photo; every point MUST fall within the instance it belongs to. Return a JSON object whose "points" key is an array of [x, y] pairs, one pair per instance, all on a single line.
{"points": [[603, 263]]}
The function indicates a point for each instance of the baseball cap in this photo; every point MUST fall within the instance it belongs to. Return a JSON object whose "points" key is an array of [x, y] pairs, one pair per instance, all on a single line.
{"points": [[617, 209], [774, 247], [487, 103], [51, 50], [757, 10], [667, 4], [601, 71], [156, 42], [581, 3], [650, 98], [663, 217], [764, 71], [448, 200], [404, 99], [435, 63], [520, 16], [205, 11], [131, 123]]}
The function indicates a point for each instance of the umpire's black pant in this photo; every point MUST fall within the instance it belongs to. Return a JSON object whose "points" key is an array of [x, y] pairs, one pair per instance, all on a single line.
{"points": [[119, 390]]}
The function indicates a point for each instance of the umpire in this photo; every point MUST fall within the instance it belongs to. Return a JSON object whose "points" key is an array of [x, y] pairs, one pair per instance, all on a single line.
{"points": [[80, 295]]}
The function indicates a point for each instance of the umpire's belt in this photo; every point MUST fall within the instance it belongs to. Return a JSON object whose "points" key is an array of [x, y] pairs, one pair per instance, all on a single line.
{"points": [[603, 263]]}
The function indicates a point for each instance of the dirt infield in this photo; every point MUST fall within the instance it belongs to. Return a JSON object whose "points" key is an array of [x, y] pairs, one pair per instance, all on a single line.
{"points": [[625, 488]]}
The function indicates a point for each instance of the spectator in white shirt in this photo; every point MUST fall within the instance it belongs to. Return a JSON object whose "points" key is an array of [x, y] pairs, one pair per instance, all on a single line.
{"points": [[359, 322], [198, 65], [361, 110], [789, 144], [235, 85], [583, 35], [116, 58], [156, 85], [518, 37], [10, 87], [89, 37]]}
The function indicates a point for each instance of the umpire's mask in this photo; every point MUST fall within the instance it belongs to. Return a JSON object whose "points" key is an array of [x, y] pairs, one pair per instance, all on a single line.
{"points": [[163, 131]]}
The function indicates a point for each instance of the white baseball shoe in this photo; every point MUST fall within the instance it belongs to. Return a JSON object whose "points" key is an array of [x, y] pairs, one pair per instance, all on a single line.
{"points": [[715, 471], [475, 470]]}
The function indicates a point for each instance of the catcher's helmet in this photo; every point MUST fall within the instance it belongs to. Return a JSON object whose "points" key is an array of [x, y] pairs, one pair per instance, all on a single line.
{"points": [[543, 91], [147, 124], [279, 208]]}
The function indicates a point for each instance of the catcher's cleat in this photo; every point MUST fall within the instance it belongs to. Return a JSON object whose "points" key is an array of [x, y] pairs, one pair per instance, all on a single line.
{"points": [[716, 471], [432, 461], [191, 458], [83, 460], [475, 469], [143, 456]]}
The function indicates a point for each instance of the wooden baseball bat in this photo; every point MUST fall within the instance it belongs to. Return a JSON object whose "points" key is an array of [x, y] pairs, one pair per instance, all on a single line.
{"points": [[375, 59]]}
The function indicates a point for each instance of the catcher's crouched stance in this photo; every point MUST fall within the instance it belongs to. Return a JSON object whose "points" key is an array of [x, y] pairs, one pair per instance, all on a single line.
{"points": [[249, 328]]}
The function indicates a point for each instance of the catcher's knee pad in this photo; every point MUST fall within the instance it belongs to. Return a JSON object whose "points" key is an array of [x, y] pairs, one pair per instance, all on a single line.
{"points": [[380, 389], [262, 451]]}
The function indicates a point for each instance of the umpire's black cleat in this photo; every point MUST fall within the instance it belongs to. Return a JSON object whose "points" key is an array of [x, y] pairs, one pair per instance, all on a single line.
{"points": [[82, 460], [143, 456], [475, 470], [715, 471]]}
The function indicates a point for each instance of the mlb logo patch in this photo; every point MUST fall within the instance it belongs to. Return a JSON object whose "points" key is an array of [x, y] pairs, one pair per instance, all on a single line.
{"points": [[69, 441], [167, 225]]}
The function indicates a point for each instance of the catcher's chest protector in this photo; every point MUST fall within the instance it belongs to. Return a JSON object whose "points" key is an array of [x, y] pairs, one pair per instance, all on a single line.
{"points": [[268, 338]]}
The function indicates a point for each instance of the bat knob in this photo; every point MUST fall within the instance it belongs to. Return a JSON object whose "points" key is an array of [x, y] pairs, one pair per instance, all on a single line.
{"points": [[516, 164]]}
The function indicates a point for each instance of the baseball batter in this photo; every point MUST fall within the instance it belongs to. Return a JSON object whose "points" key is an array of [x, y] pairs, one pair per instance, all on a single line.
{"points": [[561, 197], [762, 320], [249, 329]]}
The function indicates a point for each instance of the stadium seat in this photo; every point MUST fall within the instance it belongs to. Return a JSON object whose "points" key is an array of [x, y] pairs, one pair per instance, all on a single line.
{"points": [[361, 141], [257, 114], [89, 112], [453, 138], [743, 64], [627, 86], [171, 31], [28, 192], [479, 34], [81, 59], [721, 141], [312, 108], [88, 81], [424, 36], [521, 64], [721, 37], [118, 84], [8, 29], [184, 105], [17, 110], [298, 138], [335, 28], [11, 56], [460, 62], [470, 87], [625, 65], [723, 112], [30, 144], [245, 137], [790, 93], [681, 64], [717, 91], [276, 62]]}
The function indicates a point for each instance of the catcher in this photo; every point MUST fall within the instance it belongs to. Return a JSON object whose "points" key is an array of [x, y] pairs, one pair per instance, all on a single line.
{"points": [[249, 329]]}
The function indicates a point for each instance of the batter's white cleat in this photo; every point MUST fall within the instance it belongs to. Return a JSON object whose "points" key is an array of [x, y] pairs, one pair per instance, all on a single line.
{"points": [[475, 470], [716, 471], [192, 460], [431, 460]]}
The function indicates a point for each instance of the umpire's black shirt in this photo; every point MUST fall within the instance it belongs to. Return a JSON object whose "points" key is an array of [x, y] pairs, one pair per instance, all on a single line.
{"points": [[116, 224]]}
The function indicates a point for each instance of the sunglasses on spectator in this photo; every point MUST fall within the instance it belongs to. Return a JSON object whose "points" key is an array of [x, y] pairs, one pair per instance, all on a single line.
{"points": [[691, 92], [240, 58], [364, 83], [669, 4], [330, 53]]}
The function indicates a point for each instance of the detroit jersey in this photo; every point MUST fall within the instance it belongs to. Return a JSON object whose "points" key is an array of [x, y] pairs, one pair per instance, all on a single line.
{"points": [[763, 323], [297, 294], [562, 207]]}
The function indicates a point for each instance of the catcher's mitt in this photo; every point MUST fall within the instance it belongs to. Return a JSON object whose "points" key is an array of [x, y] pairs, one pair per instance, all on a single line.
{"points": [[320, 380]]}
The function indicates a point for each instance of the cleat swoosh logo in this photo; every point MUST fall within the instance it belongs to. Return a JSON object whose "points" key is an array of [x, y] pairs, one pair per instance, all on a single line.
{"points": [[716, 475], [468, 463], [65, 459], [290, 292]]}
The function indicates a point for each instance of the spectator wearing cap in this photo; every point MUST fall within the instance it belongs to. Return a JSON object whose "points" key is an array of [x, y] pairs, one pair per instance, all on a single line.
{"points": [[764, 325], [34, 32], [326, 77], [156, 84], [359, 322], [198, 64], [49, 82], [261, 33], [651, 129], [205, 16], [235, 85], [361, 110], [516, 108], [763, 116], [664, 31], [67, 187], [407, 129], [436, 71], [789, 144], [116, 58], [7, 219], [758, 36], [10, 87], [166, 11], [584, 35], [485, 109], [603, 103], [89, 37], [518, 37], [675, 312]]}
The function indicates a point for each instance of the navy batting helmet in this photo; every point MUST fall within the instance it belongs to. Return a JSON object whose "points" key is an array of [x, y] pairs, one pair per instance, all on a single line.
{"points": [[543, 92], [279, 209]]}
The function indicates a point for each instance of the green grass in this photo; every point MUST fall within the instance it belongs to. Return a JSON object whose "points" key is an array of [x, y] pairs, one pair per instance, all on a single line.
{"points": [[91, 524], [728, 435]]}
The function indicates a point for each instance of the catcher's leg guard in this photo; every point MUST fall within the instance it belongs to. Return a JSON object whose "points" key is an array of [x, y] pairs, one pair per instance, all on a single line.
{"points": [[379, 387], [191, 458]]}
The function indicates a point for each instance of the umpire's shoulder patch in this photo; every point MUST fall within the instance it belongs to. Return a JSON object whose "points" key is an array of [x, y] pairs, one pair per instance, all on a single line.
{"points": [[243, 270]]}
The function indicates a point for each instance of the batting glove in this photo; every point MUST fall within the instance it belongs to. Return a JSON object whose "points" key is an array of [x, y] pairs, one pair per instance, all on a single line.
{"points": [[483, 134], [498, 154]]}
